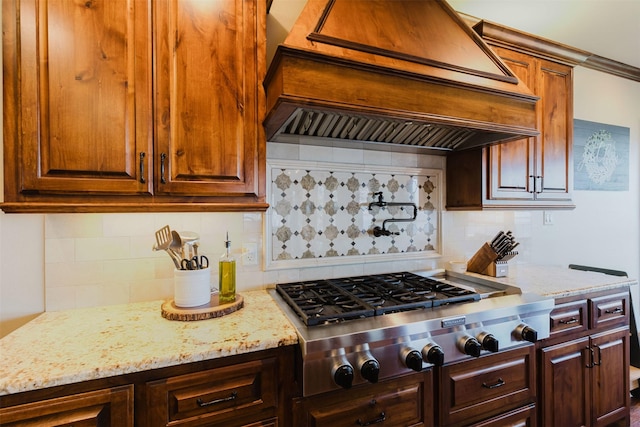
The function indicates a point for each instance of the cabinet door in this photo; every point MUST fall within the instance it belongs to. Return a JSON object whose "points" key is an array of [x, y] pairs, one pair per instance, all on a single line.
{"points": [[554, 146], [83, 97], [610, 377], [511, 165], [101, 408], [566, 384], [207, 74]]}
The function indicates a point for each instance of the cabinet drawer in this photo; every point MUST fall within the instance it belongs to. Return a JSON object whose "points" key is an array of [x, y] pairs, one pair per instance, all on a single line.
{"points": [[113, 406], [399, 402], [245, 392], [521, 417], [490, 385], [609, 310], [569, 317]]}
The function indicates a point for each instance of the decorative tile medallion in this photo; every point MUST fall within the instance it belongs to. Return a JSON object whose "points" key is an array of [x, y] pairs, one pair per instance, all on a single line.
{"points": [[325, 211]]}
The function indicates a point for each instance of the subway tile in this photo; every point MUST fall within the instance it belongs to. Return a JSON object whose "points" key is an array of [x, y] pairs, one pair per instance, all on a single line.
{"points": [[316, 153], [60, 298], [277, 150], [89, 296], [376, 158], [102, 248], [73, 225], [130, 224], [60, 274], [59, 250]]}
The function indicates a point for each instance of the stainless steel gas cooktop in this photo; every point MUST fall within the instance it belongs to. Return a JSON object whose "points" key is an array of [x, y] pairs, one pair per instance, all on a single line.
{"points": [[363, 329]]}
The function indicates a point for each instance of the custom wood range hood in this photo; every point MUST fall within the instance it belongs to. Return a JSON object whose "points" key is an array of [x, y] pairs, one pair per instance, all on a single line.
{"points": [[399, 73]]}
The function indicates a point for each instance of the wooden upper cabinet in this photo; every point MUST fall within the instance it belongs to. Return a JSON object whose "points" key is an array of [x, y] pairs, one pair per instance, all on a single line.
{"points": [[537, 168], [207, 77], [133, 105], [81, 102], [535, 172]]}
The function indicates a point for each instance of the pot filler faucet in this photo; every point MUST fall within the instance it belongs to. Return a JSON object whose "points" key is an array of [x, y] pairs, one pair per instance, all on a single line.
{"points": [[382, 231]]}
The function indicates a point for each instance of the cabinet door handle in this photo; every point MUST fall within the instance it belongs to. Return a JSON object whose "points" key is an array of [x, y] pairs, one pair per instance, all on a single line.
{"points": [[539, 189], [532, 184], [599, 362], [202, 404], [497, 384], [590, 355], [568, 321], [616, 310], [163, 157], [142, 155], [380, 419]]}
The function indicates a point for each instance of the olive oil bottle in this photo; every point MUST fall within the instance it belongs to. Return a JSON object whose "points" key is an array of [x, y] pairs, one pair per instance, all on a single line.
{"points": [[227, 275]]}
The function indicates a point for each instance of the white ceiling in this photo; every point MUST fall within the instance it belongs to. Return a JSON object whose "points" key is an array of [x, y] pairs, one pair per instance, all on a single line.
{"points": [[609, 28]]}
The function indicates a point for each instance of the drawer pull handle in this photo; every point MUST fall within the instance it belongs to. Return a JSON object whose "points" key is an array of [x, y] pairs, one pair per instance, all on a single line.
{"points": [[381, 418], [568, 321], [202, 404], [497, 384], [616, 310]]}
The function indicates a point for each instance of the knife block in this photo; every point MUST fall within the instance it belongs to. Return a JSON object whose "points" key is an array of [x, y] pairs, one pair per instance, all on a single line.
{"points": [[482, 259]]}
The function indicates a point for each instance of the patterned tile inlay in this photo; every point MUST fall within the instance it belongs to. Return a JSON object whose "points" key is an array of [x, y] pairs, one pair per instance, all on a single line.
{"points": [[323, 213]]}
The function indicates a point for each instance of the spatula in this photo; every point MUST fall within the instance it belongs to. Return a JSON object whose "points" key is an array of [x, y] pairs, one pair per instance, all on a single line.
{"points": [[164, 238], [163, 242]]}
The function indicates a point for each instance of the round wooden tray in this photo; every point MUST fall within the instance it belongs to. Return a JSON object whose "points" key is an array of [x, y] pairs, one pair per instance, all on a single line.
{"points": [[206, 311]]}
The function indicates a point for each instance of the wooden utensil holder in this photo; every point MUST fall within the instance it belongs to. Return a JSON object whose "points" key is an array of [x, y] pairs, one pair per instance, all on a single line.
{"points": [[497, 269], [482, 259]]}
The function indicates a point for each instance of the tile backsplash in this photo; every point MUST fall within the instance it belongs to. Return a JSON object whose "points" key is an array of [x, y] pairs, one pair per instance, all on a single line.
{"points": [[100, 259], [325, 211]]}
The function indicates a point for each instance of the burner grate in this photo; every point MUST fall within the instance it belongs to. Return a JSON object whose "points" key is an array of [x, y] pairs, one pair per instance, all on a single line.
{"points": [[333, 300]]}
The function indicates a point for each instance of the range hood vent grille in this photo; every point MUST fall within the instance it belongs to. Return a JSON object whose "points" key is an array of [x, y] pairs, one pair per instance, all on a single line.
{"points": [[323, 124]]}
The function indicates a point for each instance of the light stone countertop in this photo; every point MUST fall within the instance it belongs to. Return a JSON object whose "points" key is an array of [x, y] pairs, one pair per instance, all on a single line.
{"points": [[556, 281], [71, 346]]}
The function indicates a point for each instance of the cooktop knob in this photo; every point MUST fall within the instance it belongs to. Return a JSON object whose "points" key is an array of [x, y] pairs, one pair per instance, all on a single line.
{"points": [[433, 354], [343, 375], [412, 358], [526, 333], [370, 370], [470, 346], [489, 342]]}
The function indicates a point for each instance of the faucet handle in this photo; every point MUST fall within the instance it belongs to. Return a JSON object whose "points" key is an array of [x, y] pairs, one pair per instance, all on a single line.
{"points": [[379, 231]]}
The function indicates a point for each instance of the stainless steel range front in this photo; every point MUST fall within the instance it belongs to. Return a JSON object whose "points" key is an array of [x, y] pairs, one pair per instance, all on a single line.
{"points": [[364, 329]]}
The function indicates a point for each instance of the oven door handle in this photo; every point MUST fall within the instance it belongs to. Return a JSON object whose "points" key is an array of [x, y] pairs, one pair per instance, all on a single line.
{"points": [[381, 418]]}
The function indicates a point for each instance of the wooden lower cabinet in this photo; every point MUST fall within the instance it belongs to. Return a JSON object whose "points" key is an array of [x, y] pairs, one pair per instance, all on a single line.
{"points": [[249, 390], [487, 390], [405, 401], [585, 381], [584, 365], [101, 408]]}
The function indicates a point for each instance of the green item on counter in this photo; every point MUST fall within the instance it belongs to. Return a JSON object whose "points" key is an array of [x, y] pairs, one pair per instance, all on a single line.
{"points": [[227, 275]]}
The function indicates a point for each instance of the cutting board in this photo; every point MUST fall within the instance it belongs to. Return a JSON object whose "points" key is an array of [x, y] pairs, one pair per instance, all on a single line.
{"points": [[206, 311]]}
